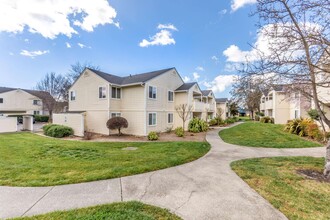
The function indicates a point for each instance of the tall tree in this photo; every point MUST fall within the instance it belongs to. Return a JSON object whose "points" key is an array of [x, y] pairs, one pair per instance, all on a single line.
{"points": [[55, 85], [77, 68], [295, 46]]}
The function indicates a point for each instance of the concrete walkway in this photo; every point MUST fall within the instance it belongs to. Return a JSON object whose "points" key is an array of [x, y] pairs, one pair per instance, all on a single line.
{"points": [[204, 189]]}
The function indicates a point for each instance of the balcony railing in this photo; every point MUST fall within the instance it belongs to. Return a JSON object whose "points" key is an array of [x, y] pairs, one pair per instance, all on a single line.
{"points": [[199, 106]]}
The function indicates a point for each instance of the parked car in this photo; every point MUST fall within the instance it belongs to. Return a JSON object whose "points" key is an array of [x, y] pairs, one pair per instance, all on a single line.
{"points": [[20, 120]]}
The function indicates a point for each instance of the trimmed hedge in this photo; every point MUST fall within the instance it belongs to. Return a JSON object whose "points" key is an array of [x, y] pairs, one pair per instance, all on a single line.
{"points": [[57, 131], [41, 118]]}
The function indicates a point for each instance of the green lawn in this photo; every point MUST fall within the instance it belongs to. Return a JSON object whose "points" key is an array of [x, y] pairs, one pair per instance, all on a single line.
{"points": [[255, 134], [277, 181], [30, 160], [114, 211]]}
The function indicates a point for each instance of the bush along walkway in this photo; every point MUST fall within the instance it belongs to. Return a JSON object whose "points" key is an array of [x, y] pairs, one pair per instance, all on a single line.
{"points": [[204, 189]]}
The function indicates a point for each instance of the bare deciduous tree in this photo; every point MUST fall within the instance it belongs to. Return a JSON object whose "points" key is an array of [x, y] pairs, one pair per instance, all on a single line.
{"points": [[77, 68], [297, 36], [220, 112], [184, 111]]}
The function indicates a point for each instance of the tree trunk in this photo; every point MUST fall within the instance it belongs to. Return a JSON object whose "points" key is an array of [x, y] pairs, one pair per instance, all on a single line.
{"points": [[327, 161], [119, 133]]}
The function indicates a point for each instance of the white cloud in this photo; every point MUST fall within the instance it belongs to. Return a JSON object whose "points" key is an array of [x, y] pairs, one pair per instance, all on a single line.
{"points": [[223, 12], [167, 26], [234, 54], [164, 37], [186, 79], [51, 18], [196, 76], [26, 40], [83, 45], [236, 4], [214, 58], [11, 53], [200, 68], [68, 45], [220, 83], [33, 54]]}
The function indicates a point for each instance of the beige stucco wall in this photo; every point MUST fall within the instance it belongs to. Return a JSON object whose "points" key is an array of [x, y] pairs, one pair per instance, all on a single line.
{"points": [[75, 121], [19, 100], [222, 106], [8, 124]]}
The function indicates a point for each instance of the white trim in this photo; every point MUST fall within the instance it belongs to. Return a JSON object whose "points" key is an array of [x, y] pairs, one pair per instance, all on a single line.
{"points": [[156, 92], [145, 108], [156, 119]]}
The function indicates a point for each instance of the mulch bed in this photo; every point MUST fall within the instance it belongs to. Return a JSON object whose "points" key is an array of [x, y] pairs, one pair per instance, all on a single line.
{"points": [[313, 175]]}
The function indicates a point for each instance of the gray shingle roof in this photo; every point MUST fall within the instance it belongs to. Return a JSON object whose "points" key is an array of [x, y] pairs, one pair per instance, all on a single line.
{"points": [[206, 92], [221, 100], [186, 86], [131, 79], [39, 94]]}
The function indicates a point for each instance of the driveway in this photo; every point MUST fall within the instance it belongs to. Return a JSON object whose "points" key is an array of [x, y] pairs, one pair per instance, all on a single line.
{"points": [[204, 189]]}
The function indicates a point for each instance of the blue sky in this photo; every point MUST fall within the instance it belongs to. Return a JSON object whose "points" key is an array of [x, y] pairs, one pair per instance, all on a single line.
{"points": [[204, 40]]}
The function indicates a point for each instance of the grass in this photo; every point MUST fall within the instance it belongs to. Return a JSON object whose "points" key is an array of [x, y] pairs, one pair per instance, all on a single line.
{"points": [[114, 211], [255, 134], [30, 160], [277, 181]]}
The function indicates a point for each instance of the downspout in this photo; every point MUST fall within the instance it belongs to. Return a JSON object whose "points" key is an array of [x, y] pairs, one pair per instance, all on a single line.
{"points": [[145, 107]]}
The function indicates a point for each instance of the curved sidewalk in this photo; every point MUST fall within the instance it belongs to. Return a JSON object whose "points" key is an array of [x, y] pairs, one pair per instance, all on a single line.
{"points": [[203, 189]]}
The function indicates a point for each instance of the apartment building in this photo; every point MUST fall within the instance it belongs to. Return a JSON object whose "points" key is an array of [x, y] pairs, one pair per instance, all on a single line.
{"points": [[222, 108], [148, 101], [281, 106]]}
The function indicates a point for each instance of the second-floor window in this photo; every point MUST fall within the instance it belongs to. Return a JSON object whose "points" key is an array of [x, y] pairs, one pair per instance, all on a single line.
{"points": [[72, 95], [35, 102], [116, 93], [1, 100], [170, 96], [102, 92], [152, 92]]}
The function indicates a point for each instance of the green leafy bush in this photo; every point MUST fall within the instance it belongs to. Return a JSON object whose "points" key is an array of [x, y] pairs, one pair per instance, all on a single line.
{"points": [[197, 125], [260, 114], [213, 122], [257, 118], [41, 118], [58, 131], [179, 132], [267, 119], [152, 136], [230, 121], [314, 114]]}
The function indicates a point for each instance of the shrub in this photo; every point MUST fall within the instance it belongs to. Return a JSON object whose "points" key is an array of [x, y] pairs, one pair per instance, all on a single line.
{"points": [[230, 121], [197, 125], [117, 123], [41, 118], [260, 114], [58, 131], [267, 119], [257, 118], [179, 132], [152, 136], [314, 132], [314, 114], [213, 122], [298, 126], [88, 135]]}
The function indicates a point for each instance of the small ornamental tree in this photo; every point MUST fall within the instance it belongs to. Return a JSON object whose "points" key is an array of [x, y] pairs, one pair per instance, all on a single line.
{"points": [[117, 123]]}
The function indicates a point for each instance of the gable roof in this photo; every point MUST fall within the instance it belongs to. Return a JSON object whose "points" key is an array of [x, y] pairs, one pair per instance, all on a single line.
{"points": [[221, 100], [39, 94], [131, 79], [186, 86], [206, 92]]}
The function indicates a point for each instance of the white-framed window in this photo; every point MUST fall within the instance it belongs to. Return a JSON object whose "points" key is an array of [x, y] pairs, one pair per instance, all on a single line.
{"points": [[102, 92], [115, 114], [170, 96], [72, 95], [36, 102], [36, 112], [170, 118], [296, 114], [1, 100], [152, 92], [115, 92], [152, 119]]}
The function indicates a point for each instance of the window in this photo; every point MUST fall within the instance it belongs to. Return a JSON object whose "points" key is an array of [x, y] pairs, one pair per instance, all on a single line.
{"points": [[72, 95], [170, 96], [35, 102], [36, 112], [152, 92], [115, 93], [102, 92], [1, 100], [296, 114], [115, 114], [152, 119], [170, 118]]}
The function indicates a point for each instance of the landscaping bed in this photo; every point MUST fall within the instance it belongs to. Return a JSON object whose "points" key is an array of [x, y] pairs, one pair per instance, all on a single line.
{"points": [[32, 160], [114, 211], [280, 180], [255, 134]]}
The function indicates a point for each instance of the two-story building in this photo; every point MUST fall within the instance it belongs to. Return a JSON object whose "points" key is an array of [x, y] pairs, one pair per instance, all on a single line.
{"points": [[147, 101], [281, 106], [222, 108], [14, 100]]}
